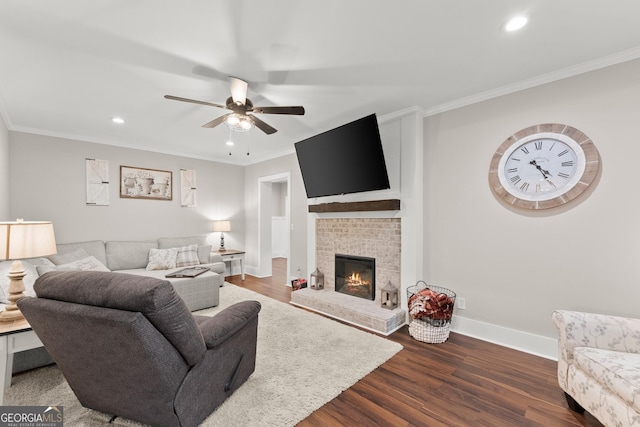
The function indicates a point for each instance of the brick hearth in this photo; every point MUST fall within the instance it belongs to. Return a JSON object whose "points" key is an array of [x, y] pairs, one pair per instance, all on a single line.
{"points": [[378, 238], [358, 311]]}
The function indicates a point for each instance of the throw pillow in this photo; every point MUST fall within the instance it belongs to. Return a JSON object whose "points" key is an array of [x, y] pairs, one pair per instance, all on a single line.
{"points": [[162, 259], [187, 256], [74, 255], [89, 263]]}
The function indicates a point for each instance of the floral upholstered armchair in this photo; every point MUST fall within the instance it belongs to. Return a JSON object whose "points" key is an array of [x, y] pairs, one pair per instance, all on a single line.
{"points": [[599, 365]]}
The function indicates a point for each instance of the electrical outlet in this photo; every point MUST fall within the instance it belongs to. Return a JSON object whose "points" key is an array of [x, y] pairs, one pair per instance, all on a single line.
{"points": [[461, 303]]}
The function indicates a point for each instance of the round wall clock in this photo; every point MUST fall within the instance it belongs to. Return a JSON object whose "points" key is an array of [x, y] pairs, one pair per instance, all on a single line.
{"points": [[543, 166]]}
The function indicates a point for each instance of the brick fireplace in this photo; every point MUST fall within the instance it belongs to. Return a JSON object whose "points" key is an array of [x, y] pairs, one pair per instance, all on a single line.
{"points": [[372, 238]]}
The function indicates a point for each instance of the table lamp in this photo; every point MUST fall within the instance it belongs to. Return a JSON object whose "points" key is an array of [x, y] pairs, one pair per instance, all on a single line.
{"points": [[222, 227], [19, 240]]}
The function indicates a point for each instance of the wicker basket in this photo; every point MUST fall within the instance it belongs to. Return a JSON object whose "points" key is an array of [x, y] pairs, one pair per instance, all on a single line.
{"points": [[431, 310]]}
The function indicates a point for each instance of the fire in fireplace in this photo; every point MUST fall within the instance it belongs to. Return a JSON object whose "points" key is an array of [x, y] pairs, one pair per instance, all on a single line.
{"points": [[356, 275]]}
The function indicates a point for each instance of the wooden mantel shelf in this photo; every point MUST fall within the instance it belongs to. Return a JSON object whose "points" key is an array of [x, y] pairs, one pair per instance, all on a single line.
{"points": [[374, 205]]}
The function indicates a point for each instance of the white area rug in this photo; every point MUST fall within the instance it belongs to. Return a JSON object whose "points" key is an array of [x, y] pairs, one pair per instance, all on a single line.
{"points": [[304, 360]]}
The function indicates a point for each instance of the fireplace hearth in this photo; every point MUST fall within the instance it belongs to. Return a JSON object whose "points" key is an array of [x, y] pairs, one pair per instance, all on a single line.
{"points": [[356, 276], [379, 238]]}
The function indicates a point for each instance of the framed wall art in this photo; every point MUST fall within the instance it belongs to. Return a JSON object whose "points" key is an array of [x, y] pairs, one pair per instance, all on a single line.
{"points": [[97, 175], [187, 188], [142, 183]]}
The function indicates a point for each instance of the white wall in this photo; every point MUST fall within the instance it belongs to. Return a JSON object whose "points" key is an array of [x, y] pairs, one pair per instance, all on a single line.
{"points": [[279, 194], [48, 183], [515, 268], [288, 163], [4, 172]]}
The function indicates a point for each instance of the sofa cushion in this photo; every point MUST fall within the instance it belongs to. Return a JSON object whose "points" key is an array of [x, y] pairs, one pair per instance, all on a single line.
{"points": [[122, 255], [614, 370], [187, 256], [162, 259], [71, 256], [175, 242], [93, 247]]}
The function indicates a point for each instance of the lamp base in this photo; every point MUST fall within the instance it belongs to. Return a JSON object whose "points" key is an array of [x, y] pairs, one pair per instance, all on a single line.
{"points": [[11, 316], [221, 248], [16, 293]]}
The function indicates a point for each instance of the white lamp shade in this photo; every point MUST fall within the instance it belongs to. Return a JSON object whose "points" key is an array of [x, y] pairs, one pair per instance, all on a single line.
{"points": [[26, 239], [221, 226]]}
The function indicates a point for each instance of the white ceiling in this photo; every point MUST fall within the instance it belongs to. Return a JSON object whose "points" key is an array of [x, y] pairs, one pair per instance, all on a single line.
{"points": [[68, 66]]}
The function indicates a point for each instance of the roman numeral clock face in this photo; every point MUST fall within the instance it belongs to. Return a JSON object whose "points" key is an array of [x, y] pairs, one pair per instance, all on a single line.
{"points": [[537, 169]]}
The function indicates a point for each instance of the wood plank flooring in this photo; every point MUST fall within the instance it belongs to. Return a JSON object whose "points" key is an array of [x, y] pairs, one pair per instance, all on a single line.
{"points": [[462, 382]]}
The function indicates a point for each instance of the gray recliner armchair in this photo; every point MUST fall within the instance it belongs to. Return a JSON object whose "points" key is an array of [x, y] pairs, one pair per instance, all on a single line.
{"points": [[128, 346]]}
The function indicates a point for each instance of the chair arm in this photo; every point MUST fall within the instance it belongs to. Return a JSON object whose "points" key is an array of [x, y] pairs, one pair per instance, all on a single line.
{"points": [[577, 329], [225, 324]]}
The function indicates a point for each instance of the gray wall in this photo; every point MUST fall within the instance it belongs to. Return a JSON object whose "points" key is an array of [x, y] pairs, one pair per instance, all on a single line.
{"points": [[253, 173], [4, 172], [49, 184], [515, 268]]}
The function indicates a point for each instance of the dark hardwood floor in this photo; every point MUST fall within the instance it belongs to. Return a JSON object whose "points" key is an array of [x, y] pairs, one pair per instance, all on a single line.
{"points": [[462, 382]]}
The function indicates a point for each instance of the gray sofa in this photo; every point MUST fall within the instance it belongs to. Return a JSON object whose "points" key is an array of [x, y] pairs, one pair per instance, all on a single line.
{"points": [[131, 257]]}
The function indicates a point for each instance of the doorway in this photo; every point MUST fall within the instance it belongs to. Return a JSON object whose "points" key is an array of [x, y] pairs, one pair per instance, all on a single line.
{"points": [[274, 222]]}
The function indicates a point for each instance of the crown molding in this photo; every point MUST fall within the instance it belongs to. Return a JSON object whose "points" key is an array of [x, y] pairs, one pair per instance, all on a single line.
{"points": [[585, 67]]}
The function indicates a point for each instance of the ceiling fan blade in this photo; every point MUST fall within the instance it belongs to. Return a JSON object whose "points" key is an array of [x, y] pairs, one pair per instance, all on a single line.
{"points": [[297, 110], [238, 90], [215, 122], [193, 101], [264, 127]]}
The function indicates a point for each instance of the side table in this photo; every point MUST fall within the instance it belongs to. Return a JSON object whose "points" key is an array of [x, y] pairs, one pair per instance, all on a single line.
{"points": [[231, 255], [14, 337]]}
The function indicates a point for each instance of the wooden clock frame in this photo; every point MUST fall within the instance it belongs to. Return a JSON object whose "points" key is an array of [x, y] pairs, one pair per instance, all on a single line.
{"points": [[592, 166]]}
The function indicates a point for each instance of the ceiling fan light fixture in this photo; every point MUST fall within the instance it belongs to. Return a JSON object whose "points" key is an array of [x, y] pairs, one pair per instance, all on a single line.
{"points": [[239, 122]]}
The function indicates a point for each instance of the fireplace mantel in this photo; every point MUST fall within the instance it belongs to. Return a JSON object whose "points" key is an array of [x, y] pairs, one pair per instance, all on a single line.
{"points": [[373, 205]]}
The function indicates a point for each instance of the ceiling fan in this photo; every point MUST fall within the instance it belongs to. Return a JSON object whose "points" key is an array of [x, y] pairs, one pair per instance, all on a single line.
{"points": [[239, 119]]}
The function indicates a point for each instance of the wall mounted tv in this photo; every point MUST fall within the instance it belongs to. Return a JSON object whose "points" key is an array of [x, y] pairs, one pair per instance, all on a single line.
{"points": [[347, 159]]}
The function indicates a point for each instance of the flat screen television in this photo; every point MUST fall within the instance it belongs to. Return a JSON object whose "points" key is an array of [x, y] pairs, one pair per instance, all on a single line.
{"points": [[347, 159]]}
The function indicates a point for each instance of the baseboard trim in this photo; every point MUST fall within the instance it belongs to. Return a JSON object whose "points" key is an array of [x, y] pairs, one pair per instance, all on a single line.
{"points": [[506, 337], [254, 272]]}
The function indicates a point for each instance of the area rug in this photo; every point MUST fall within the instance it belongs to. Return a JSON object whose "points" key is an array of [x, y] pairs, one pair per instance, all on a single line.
{"points": [[303, 361]]}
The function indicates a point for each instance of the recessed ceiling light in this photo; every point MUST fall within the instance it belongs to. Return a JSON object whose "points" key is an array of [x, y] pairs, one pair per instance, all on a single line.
{"points": [[118, 120], [230, 143], [516, 23]]}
